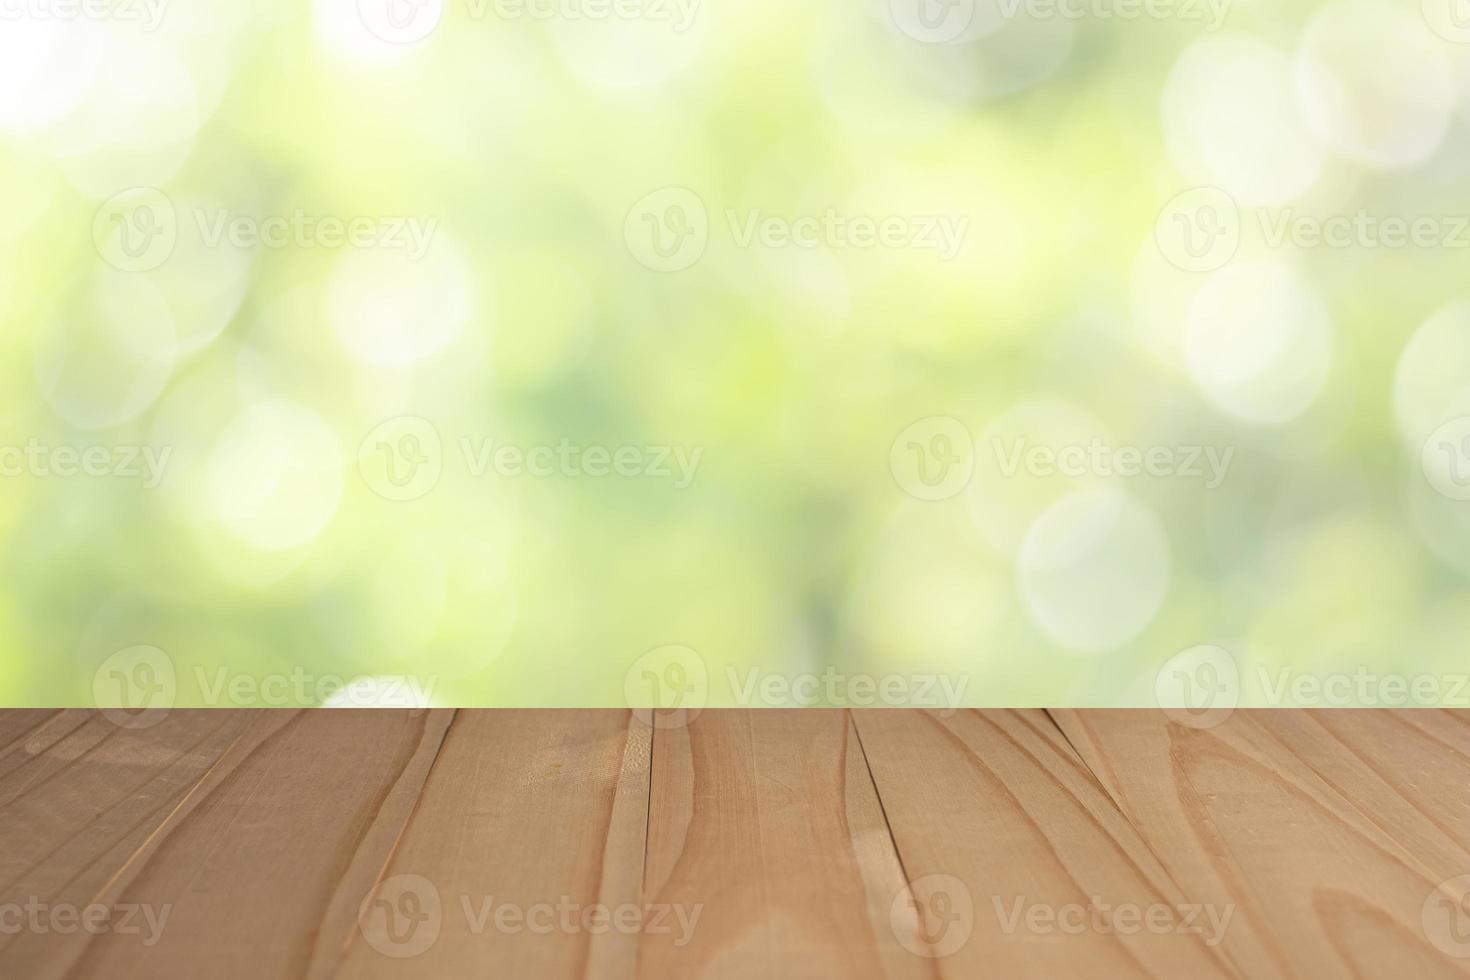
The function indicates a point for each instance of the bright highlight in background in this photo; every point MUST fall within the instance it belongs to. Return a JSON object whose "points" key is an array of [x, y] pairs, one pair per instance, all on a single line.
{"points": [[468, 351]]}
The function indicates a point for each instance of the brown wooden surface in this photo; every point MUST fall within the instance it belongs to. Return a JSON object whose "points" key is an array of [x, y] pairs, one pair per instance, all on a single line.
{"points": [[773, 843]]}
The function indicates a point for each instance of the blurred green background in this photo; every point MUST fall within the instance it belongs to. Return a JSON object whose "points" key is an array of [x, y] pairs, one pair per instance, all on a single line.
{"points": [[858, 413]]}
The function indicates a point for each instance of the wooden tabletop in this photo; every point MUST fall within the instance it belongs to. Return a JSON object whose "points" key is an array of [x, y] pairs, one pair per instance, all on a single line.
{"points": [[743, 843]]}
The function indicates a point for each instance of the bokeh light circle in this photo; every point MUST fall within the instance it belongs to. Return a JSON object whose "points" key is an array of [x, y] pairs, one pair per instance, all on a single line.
{"points": [[110, 355], [1093, 570], [1432, 382], [1259, 342], [275, 475], [392, 309], [1231, 120], [1375, 83]]}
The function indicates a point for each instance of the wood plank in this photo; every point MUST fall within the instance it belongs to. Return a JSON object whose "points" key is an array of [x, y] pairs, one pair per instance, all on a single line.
{"points": [[1409, 769], [1020, 862], [767, 826], [1264, 812], [17, 724], [529, 821], [27, 753], [780, 843], [231, 832], [79, 797]]}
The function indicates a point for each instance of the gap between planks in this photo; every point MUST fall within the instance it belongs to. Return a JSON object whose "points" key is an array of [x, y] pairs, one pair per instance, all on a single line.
{"points": [[790, 843]]}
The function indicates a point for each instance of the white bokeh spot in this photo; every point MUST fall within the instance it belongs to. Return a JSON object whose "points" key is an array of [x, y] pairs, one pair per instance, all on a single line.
{"points": [[1093, 570]]}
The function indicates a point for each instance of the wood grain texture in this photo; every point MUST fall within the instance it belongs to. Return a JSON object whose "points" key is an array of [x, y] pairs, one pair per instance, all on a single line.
{"points": [[767, 826], [237, 826], [529, 819], [1410, 770], [79, 799], [736, 844], [1329, 867], [993, 811]]}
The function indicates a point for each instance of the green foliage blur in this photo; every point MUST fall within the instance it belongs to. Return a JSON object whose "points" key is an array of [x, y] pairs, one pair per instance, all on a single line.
{"points": [[337, 285]]}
